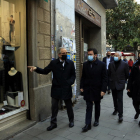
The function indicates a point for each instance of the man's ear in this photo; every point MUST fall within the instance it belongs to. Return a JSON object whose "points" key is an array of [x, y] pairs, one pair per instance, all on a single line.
{"points": [[96, 55]]}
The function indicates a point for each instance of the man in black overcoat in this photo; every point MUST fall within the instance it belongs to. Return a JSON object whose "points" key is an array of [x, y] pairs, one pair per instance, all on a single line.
{"points": [[93, 85], [118, 74], [108, 59], [133, 87], [63, 77]]}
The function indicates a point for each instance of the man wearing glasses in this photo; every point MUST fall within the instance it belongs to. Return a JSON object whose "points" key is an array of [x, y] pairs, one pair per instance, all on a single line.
{"points": [[118, 73], [63, 77]]}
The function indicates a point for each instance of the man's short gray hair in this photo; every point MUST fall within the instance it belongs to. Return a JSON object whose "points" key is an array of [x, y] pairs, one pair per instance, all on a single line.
{"points": [[59, 49], [120, 54]]}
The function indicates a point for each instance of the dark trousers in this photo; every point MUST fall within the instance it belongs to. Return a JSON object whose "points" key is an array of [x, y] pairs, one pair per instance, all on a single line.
{"points": [[89, 111], [136, 105], [108, 85], [118, 101], [68, 104], [130, 68], [10, 35]]}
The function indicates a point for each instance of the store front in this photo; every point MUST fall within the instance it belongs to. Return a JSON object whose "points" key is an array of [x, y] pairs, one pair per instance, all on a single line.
{"points": [[87, 34], [13, 63]]}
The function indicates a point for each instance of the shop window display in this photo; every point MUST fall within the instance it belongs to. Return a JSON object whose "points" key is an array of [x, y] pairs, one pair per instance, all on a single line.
{"points": [[12, 87]]}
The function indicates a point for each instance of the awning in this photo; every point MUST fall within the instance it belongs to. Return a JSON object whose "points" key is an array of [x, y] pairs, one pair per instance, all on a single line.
{"points": [[109, 4], [124, 54], [128, 54]]}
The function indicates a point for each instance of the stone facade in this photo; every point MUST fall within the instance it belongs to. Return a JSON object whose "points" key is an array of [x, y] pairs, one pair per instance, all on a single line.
{"points": [[43, 33], [39, 54]]}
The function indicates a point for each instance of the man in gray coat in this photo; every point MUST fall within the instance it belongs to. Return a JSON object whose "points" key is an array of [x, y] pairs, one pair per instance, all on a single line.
{"points": [[118, 73]]}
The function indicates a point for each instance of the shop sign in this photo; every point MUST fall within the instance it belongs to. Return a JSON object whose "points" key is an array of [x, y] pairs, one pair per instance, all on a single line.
{"points": [[91, 13], [46, 0], [85, 10]]}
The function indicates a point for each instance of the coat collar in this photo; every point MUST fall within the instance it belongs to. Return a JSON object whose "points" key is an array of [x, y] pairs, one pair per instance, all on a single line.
{"points": [[95, 62], [114, 64], [58, 60]]}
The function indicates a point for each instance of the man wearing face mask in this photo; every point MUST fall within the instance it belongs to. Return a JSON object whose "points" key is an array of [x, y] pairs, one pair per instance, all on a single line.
{"points": [[93, 85], [107, 60], [125, 60], [63, 77], [118, 73], [133, 87]]}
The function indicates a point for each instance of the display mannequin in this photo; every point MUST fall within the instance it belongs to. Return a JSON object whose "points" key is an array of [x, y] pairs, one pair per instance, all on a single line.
{"points": [[12, 72], [14, 85], [14, 80]]}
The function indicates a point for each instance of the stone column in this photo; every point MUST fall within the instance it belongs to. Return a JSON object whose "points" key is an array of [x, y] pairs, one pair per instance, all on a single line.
{"points": [[39, 54]]}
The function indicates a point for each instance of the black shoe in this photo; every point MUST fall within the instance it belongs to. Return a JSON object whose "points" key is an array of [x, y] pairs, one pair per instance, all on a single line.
{"points": [[86, 128], [109, 92], [53, 126], [136, 116], [96, 123], [120, 119], [71, 124], [115, 112]]}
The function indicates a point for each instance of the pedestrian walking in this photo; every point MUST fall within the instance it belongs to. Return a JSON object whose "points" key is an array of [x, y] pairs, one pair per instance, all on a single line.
{"points": [[93, 85], [130, 63], [63, 77], [125, 60], [133, 87], [107, 60], [118, 72], [136, 58]]}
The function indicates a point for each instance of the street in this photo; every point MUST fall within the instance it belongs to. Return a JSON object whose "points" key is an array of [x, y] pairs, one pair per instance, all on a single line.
{"points": [[108, 129]]}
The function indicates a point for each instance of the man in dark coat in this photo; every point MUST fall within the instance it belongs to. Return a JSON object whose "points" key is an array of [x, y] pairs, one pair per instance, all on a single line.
{"points": [[133, 86], [118, 73], [108, 59], [93, 85], [63, 77]]}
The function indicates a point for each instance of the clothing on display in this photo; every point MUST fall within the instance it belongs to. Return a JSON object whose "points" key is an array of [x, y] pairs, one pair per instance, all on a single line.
{"points": [[12, 98], [10, 82], [14, 80]]}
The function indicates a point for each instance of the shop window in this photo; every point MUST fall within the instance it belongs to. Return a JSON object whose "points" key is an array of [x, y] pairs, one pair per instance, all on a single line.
{"points": [[13, 60]]}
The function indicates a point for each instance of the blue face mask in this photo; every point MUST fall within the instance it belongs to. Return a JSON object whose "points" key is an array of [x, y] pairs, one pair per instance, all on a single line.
{"points": [[116, 59], [90, 58]]}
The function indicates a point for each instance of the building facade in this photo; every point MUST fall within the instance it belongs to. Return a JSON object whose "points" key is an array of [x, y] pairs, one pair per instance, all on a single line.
{"points": [[25, 37], [31, 31]]}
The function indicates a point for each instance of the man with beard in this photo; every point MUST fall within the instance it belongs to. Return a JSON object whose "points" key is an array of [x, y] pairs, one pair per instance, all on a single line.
{"points": [[63, 77], [93, 85], [133, 87]]}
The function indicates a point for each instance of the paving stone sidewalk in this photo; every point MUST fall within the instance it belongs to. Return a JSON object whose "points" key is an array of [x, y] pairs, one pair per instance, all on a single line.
{"points": [[109, 128]]}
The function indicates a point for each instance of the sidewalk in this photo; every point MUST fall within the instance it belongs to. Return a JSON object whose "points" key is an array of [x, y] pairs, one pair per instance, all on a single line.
{"points": [[108, 129]]}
